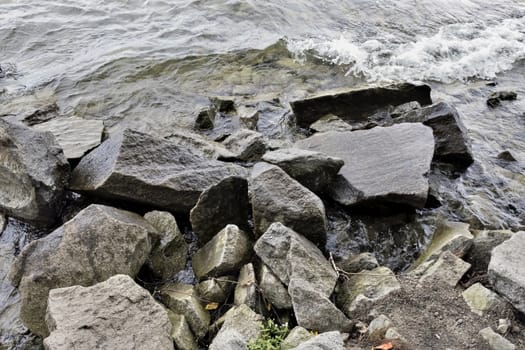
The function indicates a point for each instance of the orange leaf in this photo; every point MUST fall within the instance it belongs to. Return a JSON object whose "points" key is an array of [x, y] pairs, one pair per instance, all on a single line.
{"points": [[384, 346], [212, 306]]}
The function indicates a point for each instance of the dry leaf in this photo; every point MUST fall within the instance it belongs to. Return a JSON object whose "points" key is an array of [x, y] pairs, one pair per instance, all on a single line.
{"points": [[211, 306], [384, 346]]}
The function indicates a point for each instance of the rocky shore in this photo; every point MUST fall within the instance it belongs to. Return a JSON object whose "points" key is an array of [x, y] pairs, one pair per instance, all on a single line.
{"points": [[215, 237]]}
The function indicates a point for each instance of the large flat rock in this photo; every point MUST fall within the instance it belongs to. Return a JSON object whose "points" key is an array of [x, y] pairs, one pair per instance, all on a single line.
{"points": [[137, 167], [383, 164], [115, 314]]}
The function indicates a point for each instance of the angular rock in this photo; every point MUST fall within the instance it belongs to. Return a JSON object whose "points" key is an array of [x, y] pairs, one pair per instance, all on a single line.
{"points": [[97, 243], [357, 105], [216, 289], [314, 170], [495, 98], [229, 250], [273, 289], [169, 253], [240, 327], [181, 332], [314, 310], [248, 117], [359, 262], [330, 122], [447, 268], [451, 141], [360, 292], [378, 327], [75, 135], [380, 163], [291, 256], [507, 270], [482, 300], [276, 197], [296, 337], [247, 145], [494, 341], [182, 299], [115, 314], [223, 103], [33, 174], [219, 205], [482, 245], [205, 119], [405, 108], [140, 168], [246, 289], [199, 145], [324, 341], [393, 334]]}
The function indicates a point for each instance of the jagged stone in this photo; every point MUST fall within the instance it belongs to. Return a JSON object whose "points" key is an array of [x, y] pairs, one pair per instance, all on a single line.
{"points": [[76, 136], [248, 117], [314, 170], [507, 270], [247, 145], [324, 341], [484, 241], [378, 327], [225, 253], [405, 108], [381, 166], [140, 168], [216, 289], [495, 98], [495, 341], [183, 299], [33, 174], [359, 262], [296, 336], [199, 145], [482, 300], [115, 314], [219, 205], [447, 268], [239, 328], [273, 289], [205, 119], [96, 244], [246, 289], [181, 332], [276, 197], [330, 122]]}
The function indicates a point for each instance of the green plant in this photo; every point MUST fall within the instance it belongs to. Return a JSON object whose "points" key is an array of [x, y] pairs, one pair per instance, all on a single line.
{"points": [[271, 337]]}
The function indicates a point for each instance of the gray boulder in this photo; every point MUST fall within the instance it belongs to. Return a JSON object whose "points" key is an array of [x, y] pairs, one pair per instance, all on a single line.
{"points": [[507, 270], [97, 243], [115, 314], [199, 145], [181, 332], [140, 168], [446, 268], [330, 122], [380, 164], [75, 135], [34, 174], [219, 205], [450, 135], [225, 253], [357, 105], [296, 336], [245, 144], [314, 170], [273, 289], [246, 288], [359, 262], [484, 241], [324, 341], [276, 197], [240, 327], [216, 290], [494, 341]]}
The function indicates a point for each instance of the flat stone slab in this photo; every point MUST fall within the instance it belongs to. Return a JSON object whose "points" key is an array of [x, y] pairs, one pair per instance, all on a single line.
{"points": [[383, 164]]}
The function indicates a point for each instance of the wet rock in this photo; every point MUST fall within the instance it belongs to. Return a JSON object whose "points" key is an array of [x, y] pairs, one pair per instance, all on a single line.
{"points": [[223, 104], [447, 268], [482, 245], [507, 156], [273, 289], [357, 105], [32, 109], [216, 289], [248, 117], [507, 271], [34, 174], [314, 170], [451, 141], [482, 300], [115, 314], [291, 256], [495, 98], [296, 336], [199, 145], [378, 327], [205, 119], [359, 262], [405, 108], [314, 310], [495, 341], [169, 253], [380, 163], [240, 327], [140, 168], [225, 253], [97, 243], [247, 145], [219, 205], [330, 122], [328, 340], [75, 135], [361, 291], [246, 289], [181, 332], [276, 197], [449, 235], [182, 299]]}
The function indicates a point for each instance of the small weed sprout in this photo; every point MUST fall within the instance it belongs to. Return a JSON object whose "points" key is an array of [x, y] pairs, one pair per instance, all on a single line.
{"points": [[272, 335]]}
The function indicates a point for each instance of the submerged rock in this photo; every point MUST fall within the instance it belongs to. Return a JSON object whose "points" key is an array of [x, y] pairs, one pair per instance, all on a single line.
{"points": [[380, 163], [495, 98], [314, 170], [276, 197], [115, 314], [97, 243], [140, 168], [240, 327], [357, 105], [33, 174]]}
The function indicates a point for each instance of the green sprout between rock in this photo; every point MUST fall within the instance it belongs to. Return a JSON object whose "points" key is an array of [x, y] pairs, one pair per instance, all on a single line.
{"points": [[271, 337]]}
